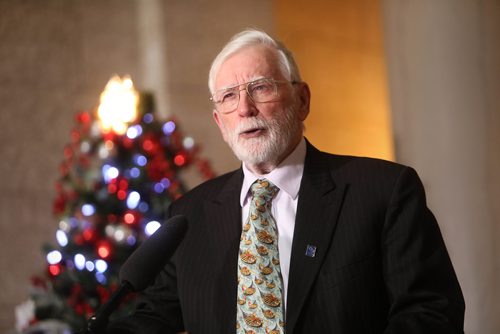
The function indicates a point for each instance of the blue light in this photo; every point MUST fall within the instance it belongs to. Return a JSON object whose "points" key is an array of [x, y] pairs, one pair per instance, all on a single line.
{"points": [[54, 257], [158, 187], [135, 172], [69, 264], [131, 240], [79, 261], [133, 200], [143, 207], [62, 238], [151, 227], [140, 160], [148, 118], [73, 222], [168, 128], [88, 209], [109, 173], [90, 265], [134, 131], [101, 278], [165, 182], [101, 266]]}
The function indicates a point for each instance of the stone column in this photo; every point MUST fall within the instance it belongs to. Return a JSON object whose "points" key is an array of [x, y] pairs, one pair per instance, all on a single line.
{"points": [[444, 75]]}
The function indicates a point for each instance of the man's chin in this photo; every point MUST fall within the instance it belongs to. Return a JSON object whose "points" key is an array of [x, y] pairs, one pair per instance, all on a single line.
{"points": [[254, 157]]}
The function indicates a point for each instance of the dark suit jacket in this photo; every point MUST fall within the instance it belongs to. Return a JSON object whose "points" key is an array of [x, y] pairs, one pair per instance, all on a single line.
{"points": [[381, 265]]}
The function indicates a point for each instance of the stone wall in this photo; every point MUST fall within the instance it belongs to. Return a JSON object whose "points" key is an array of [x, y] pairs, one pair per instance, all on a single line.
{"points": [[55, 58]]}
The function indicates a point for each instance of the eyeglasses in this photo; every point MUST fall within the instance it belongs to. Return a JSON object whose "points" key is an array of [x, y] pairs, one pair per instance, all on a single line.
{"points": [[260, 91]]}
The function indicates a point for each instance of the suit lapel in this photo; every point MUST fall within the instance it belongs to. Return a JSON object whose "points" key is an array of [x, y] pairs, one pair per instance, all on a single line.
{"points": [[319, 203], [223, 214]]}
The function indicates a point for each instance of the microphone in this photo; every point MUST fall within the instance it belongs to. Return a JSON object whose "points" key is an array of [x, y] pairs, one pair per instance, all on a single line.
{"points": [[141, 268]]}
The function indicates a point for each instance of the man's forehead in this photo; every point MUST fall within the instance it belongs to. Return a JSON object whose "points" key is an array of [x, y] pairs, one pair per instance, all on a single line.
{"points": [[247, 65]]}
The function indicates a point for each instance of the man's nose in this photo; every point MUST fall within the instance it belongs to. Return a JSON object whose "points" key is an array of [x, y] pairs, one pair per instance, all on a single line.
{"points": [[246, 106]]}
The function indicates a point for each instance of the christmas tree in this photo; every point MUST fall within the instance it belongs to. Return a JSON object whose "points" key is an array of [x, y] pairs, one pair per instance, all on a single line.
{"points": [[121, 170]]}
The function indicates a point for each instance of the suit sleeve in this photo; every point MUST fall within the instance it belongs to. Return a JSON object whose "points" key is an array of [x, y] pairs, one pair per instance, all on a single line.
{"points": [[424, 293]]}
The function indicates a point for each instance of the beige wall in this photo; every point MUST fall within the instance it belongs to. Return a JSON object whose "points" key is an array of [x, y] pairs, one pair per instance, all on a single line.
{"points": [[444, 66], [195, 33], [55, 57], [339, 47]]}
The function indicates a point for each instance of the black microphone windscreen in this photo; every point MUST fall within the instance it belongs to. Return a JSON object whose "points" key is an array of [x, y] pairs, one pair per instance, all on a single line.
{"points": [[146, 262]]}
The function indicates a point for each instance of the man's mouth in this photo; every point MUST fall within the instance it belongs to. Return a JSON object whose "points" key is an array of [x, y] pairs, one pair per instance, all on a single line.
{"points": [[252, 132]]}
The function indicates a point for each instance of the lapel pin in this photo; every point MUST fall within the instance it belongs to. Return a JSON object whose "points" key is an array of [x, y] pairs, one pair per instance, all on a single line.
{"points": [[311, 251]]}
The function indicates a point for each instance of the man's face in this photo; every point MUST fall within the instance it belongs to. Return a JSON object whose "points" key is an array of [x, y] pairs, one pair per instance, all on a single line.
{"points": [[261, 133]]}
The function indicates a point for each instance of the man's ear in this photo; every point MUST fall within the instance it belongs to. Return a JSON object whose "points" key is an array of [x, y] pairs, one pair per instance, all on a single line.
{"points": [[304, 100], [217, 120]]}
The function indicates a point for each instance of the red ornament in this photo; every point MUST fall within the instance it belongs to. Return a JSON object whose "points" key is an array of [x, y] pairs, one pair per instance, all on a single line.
{"points": [[123, 184], [84, 160], [180, 159], [59, 204], [109, 136], [89, 235], [68, 152], [39, 282], [128, 143], [112, 218], [104, 249], [158, 168], [131, 217], [55, 269], [112, 188], [119, 186], [75, 136], [78, 239], [63, 169], [121, 195], [151, 144], [83, 117], [148, 145]]}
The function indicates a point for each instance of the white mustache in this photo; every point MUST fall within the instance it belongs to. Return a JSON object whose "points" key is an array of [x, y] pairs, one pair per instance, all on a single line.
{"points": [[251, 124]]}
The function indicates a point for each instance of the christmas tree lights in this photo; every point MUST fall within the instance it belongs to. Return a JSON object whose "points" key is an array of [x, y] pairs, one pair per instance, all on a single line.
{"points": [[121, 170]]}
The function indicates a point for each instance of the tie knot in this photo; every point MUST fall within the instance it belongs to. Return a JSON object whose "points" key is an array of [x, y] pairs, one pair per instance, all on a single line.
{"points": [[264, 188]]}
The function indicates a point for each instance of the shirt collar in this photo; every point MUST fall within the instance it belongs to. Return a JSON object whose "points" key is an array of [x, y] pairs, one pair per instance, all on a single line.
{"points": [[286, 176]]}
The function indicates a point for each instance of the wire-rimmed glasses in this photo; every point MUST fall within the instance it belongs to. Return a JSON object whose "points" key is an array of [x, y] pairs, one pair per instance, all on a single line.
{"points": [[260, 91]]}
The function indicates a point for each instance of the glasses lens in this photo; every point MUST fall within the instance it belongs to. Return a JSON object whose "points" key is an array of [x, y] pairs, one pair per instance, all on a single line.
{"points": [[262, 90], [226, 100]]}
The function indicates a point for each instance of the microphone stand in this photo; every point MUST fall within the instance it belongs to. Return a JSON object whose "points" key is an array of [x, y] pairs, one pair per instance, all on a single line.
{"points": [[98, 322]]}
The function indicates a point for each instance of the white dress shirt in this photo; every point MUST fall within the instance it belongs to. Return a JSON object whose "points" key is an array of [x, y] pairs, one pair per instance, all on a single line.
{"points": [[286, 176]]}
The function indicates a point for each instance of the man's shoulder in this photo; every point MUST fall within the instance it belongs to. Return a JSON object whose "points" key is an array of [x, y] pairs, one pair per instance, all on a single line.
{"points": [[371, 176], [350, 163], [360, 163], [354, 169], [211, 189]]}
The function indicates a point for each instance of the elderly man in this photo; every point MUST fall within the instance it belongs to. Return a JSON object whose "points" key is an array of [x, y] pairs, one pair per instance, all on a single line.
{"points": [[298, 240]]}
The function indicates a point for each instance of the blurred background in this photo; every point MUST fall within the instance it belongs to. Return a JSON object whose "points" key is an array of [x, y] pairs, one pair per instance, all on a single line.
{"points": [[415, 81]]}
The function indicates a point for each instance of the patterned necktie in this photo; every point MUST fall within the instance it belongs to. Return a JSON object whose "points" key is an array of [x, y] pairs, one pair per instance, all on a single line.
{"points": [[260, 287]]}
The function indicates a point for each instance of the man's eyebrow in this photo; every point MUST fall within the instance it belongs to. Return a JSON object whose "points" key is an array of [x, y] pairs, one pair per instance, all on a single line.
{"points": [[230, 86]]}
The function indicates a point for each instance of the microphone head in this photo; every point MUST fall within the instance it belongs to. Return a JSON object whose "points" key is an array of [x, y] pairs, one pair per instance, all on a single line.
{"points": [[140, 269]]}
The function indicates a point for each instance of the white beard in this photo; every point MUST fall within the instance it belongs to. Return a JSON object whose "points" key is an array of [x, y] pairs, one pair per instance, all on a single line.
{"points": [[269, 147]]}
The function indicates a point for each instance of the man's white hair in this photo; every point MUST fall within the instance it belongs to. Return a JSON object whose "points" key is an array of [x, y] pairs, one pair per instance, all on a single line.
{"points": [[249, 38]]}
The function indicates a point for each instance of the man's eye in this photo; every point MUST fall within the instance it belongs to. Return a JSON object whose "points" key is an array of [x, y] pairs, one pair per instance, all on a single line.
{"points": [[227, 96], [261, 87]]}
